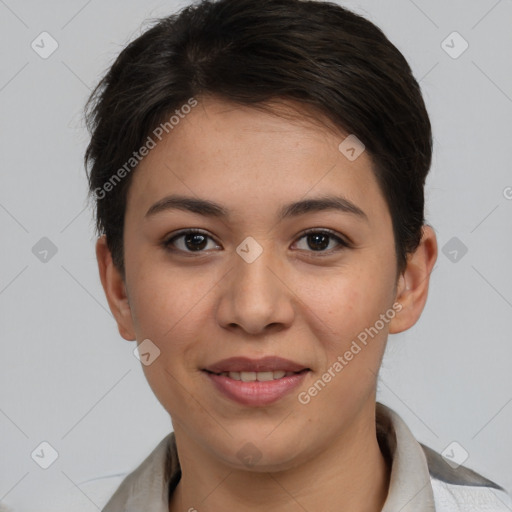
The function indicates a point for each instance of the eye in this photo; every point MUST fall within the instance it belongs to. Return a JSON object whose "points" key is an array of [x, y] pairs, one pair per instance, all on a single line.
{"points": [[196, 241], [191, 240], [320, 240]]}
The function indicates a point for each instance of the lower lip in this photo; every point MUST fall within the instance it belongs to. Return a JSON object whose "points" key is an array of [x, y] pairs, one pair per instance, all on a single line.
{"points": [[256, 393]]}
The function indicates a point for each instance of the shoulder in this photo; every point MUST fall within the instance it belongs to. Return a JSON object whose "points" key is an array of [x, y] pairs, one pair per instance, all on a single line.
{"points": [[462, 489], [147, 484], [129, 490], [450, 497], [98, 490]]}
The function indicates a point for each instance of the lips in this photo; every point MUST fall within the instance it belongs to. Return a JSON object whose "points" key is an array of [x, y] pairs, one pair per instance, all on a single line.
{"points": [[257, 376], [263, 365], [255, 382]]}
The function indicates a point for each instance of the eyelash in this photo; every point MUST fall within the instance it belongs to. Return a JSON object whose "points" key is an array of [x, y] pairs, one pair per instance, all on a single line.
{"points": [[343, 244]]}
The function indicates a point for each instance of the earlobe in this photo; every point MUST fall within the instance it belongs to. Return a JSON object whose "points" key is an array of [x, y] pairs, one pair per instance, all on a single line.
{"points": [[115, 290], [412, 287]]}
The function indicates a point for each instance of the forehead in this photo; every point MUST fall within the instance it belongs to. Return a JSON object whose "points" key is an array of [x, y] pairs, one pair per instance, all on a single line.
{"points": [[232, 153]]}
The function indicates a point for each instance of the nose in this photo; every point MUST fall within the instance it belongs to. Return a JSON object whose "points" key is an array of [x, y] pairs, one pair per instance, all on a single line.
{"points": [[256, 297]]}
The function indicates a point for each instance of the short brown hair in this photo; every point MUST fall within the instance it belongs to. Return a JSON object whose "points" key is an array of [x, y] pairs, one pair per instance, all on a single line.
{"points": [[252, 52]]}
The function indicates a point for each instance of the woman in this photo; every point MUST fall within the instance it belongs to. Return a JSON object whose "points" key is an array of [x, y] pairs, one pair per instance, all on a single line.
{"points": [[258, 170]]}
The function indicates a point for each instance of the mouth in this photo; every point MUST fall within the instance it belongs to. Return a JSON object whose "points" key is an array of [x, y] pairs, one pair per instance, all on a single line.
{"points": [[258, 376], [246, 366], [255, 382]]}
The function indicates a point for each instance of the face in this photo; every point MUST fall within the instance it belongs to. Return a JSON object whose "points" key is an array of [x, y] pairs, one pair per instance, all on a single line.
{"points": [[284, 288]]}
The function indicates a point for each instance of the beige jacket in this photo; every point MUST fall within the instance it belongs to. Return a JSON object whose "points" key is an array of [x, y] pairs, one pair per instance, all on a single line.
{"points": [[421, 479]]}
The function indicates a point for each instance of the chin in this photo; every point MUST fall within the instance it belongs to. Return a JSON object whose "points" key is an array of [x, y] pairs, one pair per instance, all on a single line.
{"points": [[261, 453]]}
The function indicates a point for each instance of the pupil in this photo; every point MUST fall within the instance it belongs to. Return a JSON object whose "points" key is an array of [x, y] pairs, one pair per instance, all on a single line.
{"points": [[195, 238], [317, 239]]}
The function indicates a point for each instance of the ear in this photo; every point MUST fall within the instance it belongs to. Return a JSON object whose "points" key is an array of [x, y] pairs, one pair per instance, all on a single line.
{"points": [[412, 287], [115, 290]]}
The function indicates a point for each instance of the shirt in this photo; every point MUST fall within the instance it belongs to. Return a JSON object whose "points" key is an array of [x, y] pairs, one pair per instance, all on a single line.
{"points": [[421, 479]]}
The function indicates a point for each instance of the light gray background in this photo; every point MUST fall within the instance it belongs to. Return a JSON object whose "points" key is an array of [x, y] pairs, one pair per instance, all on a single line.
{"points": [[68, 378]]}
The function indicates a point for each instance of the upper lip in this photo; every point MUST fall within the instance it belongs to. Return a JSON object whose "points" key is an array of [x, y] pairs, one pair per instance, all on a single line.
{"points": [[246, 364]]}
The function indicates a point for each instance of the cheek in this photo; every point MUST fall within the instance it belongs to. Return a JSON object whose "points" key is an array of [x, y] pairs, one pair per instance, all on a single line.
{"points": [[167, 300], [344, 303]]}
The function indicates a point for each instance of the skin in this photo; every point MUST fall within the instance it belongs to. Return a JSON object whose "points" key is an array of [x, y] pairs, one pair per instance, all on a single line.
{"points": [[292, 301]]}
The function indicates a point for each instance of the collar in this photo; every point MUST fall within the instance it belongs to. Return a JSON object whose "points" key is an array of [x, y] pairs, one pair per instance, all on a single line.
{"points": [[410, 488]]}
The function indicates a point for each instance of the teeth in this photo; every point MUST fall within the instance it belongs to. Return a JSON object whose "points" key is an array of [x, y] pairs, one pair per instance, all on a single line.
{"points": [[257, 376], [263, 376]]}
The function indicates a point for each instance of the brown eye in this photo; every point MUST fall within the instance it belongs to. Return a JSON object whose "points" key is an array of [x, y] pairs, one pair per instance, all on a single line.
{"points": [[195, 242], [322, 241], [318, 241], [189, 241]]}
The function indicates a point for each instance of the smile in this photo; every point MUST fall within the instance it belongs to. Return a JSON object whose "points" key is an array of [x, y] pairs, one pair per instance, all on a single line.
{"points": [[257, 376], [255, 389]]}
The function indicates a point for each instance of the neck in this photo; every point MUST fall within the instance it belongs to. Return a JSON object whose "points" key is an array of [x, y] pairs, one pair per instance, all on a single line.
{"points": [[351, 474]]}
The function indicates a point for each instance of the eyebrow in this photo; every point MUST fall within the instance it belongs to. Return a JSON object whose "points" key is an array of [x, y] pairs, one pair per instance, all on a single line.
{"points": [[211, 209]]}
